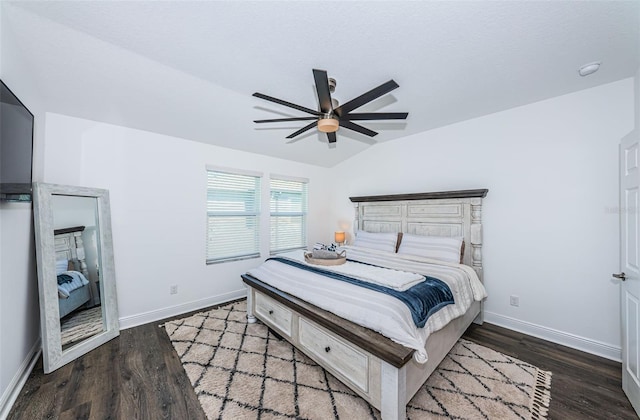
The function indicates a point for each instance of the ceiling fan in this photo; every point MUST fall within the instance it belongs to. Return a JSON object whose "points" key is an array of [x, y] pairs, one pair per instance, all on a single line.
{"points": [[329, 116]]}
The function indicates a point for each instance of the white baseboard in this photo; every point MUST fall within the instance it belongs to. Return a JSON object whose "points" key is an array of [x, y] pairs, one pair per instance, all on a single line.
{"points": [[158, 314], [559, 337], [12, 392]]}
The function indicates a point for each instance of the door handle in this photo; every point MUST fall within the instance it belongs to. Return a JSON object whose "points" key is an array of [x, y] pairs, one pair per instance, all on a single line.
{"points": [[620, 276]]}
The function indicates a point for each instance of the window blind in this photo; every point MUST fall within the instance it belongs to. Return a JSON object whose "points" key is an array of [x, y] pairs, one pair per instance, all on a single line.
{"points": [[288, 209], [233, 216]]}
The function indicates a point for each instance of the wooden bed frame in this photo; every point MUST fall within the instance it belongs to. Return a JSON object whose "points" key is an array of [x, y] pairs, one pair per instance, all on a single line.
{"points": [[381, 371]]}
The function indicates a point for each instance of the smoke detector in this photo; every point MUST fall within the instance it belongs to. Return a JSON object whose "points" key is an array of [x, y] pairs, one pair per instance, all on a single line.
{"points": [[589, 68]]}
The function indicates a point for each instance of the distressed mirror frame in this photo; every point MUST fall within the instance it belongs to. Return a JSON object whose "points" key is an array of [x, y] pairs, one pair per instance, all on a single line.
{"points": [[52, 354]]}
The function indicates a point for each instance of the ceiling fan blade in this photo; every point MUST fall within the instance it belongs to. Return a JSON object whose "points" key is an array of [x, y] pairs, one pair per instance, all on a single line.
{"points": [[375, 116], [286, 119], [285, 103], [322, 87], [332, 137], [366, 97], [303, 129], [358, 128]]}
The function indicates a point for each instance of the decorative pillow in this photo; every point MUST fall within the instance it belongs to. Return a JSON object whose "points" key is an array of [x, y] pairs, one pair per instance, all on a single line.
{"points": [[61, 266], [380, 241], [435, 247]]}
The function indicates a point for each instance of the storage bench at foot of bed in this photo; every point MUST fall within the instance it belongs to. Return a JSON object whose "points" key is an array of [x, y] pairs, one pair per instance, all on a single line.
{"points": [[381, 371], [354, 366]]}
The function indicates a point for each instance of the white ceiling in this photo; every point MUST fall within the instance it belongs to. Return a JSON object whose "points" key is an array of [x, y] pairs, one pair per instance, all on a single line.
{"points": [[188, 69]]}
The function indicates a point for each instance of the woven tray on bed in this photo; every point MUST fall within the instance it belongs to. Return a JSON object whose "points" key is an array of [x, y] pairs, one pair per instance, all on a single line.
{"points": [[342, 258]]}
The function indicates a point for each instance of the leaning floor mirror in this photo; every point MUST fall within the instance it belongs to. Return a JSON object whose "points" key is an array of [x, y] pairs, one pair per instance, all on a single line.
{"points": [[76, 274]]}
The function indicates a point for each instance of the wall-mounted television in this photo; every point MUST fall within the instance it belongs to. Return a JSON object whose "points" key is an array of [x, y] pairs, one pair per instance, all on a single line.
{"points": [[16, 147]]}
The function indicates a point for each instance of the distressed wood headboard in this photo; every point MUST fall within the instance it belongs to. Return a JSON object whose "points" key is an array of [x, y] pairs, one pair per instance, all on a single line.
{"points": [[445, 213], [70, 246]]}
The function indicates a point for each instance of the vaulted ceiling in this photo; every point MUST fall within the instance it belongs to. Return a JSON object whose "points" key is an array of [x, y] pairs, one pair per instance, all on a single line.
{"points": [[188, 69]]}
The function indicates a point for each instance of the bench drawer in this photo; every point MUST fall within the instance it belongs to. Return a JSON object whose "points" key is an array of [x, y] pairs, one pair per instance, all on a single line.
{"points": [[274, 313], [337, 355]]}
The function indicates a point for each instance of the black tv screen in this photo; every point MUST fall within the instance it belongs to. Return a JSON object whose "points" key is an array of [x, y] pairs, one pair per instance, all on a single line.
{"points": [[16, 147]]}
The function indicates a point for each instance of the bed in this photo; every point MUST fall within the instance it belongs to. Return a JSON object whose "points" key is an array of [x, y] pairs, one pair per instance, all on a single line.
{"points": [[384, 372], [70, 251]]}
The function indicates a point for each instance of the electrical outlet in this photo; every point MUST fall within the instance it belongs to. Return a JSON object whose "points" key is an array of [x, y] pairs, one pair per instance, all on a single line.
{"points": [[514, 300], [173, 290]]}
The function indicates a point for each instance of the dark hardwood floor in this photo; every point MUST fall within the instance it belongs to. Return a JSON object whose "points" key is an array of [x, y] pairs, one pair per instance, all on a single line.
{"points": [[583, 386], [139, 376]]}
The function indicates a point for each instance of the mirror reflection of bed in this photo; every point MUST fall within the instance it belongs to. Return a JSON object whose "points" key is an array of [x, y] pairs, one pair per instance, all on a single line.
{"points": [[77, 268]]}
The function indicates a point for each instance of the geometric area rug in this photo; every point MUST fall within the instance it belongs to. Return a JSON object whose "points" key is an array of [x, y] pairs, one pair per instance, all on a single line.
{"points": [[80, 325], [243, 371]]}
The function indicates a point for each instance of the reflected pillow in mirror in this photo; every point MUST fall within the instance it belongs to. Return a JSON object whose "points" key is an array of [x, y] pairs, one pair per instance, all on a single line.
{"points": [[435, 247], [379, 241], [61, 266]]}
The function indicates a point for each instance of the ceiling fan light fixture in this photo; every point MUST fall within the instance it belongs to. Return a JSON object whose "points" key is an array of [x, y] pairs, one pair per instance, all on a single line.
{"points": [[328, 125]]}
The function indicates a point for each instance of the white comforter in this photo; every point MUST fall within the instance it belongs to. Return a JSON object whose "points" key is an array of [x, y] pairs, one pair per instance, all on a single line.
{"points": [[378, 311]]}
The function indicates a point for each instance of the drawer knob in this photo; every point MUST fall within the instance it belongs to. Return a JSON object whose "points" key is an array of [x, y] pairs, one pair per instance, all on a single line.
{"points": [[271, 312], [327, 349]]}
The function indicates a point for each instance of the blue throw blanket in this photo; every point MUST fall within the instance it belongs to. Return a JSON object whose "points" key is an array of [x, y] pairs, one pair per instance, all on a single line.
{"points": [[64, 278], [423, 299]]}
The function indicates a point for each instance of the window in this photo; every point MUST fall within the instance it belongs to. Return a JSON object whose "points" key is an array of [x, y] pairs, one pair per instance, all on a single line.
{"points": [[233, 215], [288, 214]]}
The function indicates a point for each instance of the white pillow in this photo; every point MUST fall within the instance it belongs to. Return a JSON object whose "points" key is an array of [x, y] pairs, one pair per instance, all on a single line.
{"points": [[380, 241], [436, 247], [61, 266]]}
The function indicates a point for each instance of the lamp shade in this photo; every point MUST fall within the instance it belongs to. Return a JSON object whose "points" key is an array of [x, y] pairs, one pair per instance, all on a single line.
{"points": [[339, 237]]}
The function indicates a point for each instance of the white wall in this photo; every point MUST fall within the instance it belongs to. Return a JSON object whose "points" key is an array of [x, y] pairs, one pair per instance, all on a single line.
{"points": [[157, 187], [550, 217], [19, 307]]}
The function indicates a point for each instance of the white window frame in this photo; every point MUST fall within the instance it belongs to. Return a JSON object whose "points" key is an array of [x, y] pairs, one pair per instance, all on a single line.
{"points": [[252, 215], [303, 213]]}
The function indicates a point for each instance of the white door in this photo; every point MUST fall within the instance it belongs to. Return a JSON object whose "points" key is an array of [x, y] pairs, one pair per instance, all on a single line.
{"points": [[629, 265]]}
